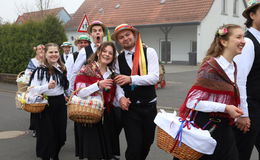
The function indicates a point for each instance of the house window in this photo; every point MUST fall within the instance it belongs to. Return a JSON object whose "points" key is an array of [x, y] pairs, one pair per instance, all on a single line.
{"points": [[165, 49], [224, 7], [193, 46], [235, 9]]}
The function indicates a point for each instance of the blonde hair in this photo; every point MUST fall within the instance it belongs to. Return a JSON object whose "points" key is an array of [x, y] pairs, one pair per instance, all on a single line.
{"points": [[216, 48]]}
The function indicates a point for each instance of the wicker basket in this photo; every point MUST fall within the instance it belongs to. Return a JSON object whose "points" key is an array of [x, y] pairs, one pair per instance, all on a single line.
{"points": [[34, 108], [166, 143], [84, 114], [22, 87]]}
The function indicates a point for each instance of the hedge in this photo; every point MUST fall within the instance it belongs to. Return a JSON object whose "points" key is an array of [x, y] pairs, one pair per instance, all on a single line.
{"points": [[17, 41]]}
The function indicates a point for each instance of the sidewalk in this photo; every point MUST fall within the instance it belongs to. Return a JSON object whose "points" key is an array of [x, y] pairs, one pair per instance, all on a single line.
{"points": [[172, 68], [8, 87]]}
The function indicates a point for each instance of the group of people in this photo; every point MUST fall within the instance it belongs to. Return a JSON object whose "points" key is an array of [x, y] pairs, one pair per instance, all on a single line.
{"points": [[223, 99], [126, 83]]}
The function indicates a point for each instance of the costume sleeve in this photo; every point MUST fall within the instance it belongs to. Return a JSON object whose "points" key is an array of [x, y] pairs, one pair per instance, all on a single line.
{"points": [[37, 86], [244, 63], [205, 101], [206, 106], [86, 91], [30, 68], [81, 59], [69, 66], [153, 70], [119, 92]]}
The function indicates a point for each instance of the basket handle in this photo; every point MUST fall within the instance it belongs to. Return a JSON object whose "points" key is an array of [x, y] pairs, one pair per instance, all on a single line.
{"points": [[19, 74], [73, 93], [27, 91]]}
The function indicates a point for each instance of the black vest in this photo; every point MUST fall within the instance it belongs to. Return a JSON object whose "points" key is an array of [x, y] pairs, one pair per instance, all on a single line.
{"points": [[62, 58], [253, 77], [89, 52], [75, 55], [144, 94]]}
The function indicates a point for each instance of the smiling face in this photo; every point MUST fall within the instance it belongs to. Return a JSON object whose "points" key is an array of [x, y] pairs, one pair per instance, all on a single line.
{"points": [[82, 44], [126, 39], [235, 42], [52, 55], [66, 49], [106, 56], [40, 51], [97, 34]]}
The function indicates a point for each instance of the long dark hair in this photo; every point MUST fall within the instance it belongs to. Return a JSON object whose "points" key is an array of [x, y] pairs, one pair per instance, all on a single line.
{"points": [[45, 62], [94, 57], [249, 21], [216, 48]]}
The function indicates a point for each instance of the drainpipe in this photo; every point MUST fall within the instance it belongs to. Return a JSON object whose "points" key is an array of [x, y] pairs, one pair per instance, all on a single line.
{"points": [[166, 30]]}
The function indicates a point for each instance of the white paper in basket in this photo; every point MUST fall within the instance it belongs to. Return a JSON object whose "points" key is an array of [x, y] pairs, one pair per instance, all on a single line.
{"points": [[33, 96], [198, 139]]}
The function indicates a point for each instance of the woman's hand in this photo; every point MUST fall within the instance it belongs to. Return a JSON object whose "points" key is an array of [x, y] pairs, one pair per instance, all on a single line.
{"points": [[105, 84], [243, 123], [52, 84], [124, 103], [233, 111]]}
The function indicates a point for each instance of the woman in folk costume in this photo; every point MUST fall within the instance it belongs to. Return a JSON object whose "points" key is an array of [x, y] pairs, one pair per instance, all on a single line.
{"points": [[36, 61], [33, 64], [213, 101], [96, 141], [50, 79]]}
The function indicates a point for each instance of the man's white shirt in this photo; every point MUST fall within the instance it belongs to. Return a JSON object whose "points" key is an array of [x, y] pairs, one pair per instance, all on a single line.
{"points": [[244, 63]]}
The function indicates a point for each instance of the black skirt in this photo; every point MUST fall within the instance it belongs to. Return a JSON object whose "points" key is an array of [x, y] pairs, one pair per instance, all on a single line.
{"points": [[97, 141], [51, 128], [33, 121]]}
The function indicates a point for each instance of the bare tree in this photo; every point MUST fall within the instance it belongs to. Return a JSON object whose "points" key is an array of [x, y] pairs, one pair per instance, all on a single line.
{"points": [[43, 4]]}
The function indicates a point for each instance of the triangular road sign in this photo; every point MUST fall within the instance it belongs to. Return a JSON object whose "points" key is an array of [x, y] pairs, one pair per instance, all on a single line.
{"points": [[83, 24]]}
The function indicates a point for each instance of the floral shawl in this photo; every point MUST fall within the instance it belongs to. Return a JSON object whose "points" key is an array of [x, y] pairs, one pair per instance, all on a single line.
{"points": [[212, 84]]}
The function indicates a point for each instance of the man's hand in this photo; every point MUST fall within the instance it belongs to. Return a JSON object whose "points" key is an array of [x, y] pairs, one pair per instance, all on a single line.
{"points": [[243, 123], [124, 103], [122, 79]]}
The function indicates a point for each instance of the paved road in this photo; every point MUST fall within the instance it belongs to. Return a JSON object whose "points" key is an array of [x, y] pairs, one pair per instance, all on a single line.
{"points": [[23, 147]]}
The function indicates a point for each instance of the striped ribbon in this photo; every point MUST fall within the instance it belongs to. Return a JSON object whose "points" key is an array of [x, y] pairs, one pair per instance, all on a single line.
{"points": [[139, 58]]}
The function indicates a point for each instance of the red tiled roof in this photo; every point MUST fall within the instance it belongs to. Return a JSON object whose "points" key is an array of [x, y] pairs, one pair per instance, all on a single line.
{"points": [[38, 15], [141, 12]]}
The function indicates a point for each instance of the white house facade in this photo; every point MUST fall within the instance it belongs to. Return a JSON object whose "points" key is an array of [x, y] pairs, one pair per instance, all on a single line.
{"points": [[221, 12]]}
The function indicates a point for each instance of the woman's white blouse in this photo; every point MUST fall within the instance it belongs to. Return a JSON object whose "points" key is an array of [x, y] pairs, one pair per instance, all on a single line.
{"points": [[41, 87]]}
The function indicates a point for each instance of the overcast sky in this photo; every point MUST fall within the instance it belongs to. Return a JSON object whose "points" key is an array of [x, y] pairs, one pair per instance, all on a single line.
{"points": [[10, 9]]}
